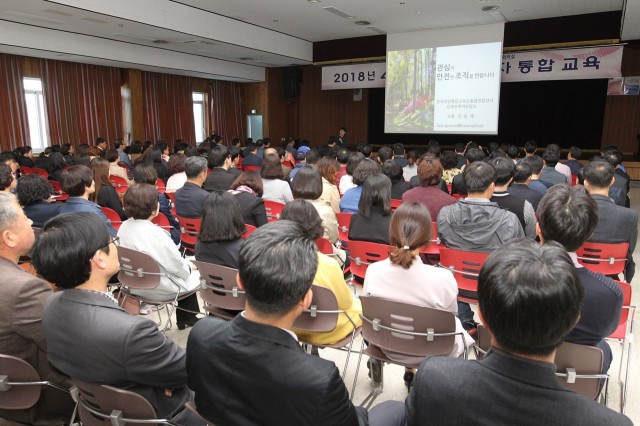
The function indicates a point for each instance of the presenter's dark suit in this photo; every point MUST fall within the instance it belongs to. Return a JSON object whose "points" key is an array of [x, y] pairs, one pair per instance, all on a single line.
{"points": [[92, 339], [246, 373], [218, 180], [499, 390], [190, 200]]}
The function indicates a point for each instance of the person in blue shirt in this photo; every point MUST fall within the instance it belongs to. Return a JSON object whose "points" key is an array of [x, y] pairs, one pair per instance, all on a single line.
{"points": [[351, 198]]}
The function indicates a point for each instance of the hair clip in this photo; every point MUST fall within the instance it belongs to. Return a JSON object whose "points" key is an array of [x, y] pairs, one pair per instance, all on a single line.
{"points": [[406, 248]]}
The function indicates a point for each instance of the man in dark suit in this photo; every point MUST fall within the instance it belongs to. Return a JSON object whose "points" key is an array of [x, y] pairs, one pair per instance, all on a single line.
{"points": [[89, 337], [251, 371], [616, 224], [220, 162], [250, 156], [619, 191], [549, 175], [515, 383], [191, 197], [520, 185], [398, 154], [22, 297]]}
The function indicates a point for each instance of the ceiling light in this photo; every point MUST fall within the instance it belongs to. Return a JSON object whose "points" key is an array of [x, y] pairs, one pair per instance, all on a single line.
{"points": [[338, 12], [363, 23], [246, 59], [160, 42], [490, 8], [34, 17], [314, 1]]}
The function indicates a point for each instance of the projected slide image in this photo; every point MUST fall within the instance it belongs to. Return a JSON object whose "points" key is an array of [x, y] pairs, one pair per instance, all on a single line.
{"points": [[411, 90]]}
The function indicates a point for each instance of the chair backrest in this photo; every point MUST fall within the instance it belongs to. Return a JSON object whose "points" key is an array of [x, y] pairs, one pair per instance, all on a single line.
{"points": [[434, 246], [161, 186], [324, 246], [138, 270], [273, 209], [26, 170], [322, 315], [395, 204], [118, 183], [364, 253], [580, 360], [449, 188], [162, 221], [627, 310], [190, 228], [465, 266], [392, 326], [608, 259], [574, 180], [250, 168], [39, 171], [483, 341], [249, 231], [458, 196], [107, 405], [344, 223], [58, 194], [112, 217], [221, 290], [13, 372]]}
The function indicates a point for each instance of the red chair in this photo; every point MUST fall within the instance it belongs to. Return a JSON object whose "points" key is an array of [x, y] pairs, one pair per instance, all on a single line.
{"points": [[434, 247], [574, 180], [41, 172], [162, 221], [112, 217], [273, 209], [624, 334], [161, 186], [288, 164], [465, 266], [251, 168], [449, 187], [171, 196], [249, 231], [26, 170], [344, 223], [189, 230], [395, 204], [608, 259], [58, 193], [458, 196], [364, 253], [324, 246], [119, 184]]}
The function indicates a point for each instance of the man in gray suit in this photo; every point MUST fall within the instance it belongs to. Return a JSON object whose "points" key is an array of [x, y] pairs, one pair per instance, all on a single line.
{"points": [[617, 224], [92, 339], [515, 383], [22, 296]]}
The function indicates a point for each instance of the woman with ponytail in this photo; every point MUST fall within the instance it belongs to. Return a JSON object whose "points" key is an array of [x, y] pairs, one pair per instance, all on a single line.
{"points": [[403, 277]]}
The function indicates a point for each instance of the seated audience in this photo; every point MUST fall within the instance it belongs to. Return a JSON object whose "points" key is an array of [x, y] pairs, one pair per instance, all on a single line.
{"points": [[56, 166], [329, 168], [251, 370], [520, 185], [100, 342], [22, 297], [346, 181], [616, 224], [25, 156], [139, 233], [350, 199], [572, 162], [411, 169], [329, 275], [250, 156], [371, 222], [449, 161], [221, 231], [235, 161], [549, 176], [154, 157], [429, 192], [403, 277], [43, 161], [505, 169], [536, 163], [105, 194], [619, 191], [220, 162], [191, 197], [399, 155], [114, 169], [121, 149], [568, 215], [177, 176], [274, 188], [457, 183], [398, 185], [247, 189], [68, 152], [77, 181], [34, 194], [561, 167], [342, 156], [515, 383], [8, 181]]}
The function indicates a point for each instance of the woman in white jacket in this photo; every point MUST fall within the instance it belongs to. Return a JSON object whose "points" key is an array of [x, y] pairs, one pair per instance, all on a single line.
{"points": [[139, 233]]}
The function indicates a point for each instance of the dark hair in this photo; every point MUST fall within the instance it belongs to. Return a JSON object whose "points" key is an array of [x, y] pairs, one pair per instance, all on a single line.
{"points": [[343, 155], [478, 176], [530, 147], [353, 162], [312, 156], [190, 151], [221, 218], [145, 173], [385, 153], [551, 157], [217, 156], [328, 168], [393, 171], [141, 201], [521, 172], [575, 152], [598, 173], [70, 240], [57, 161], [136, 147], [473, 154], [234, 151], [118, 143], [271, 167], [535, 162], [519, 281], [459, 148], [505, 169], [65, 149], [366, 150], [410, 229], [100, 168], [613, 157], [512, 151], [252, 180], [568, 215], [305, 214], [176, 163], [75, 179], [430, 172], [412, 155], [92, 151], [398, 149], [154, 156], [307, 184], [32, 189], [6, 176], [193, 166], [376, 191], [366, 168], [277, 264], [434, 150], [449, 160], [111, 155]]}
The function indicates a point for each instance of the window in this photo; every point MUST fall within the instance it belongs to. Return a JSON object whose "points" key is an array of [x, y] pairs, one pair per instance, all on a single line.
{"points": [[198, 115], [35, 113]]}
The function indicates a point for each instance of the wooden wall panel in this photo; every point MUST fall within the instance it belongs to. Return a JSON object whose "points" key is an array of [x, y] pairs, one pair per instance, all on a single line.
{"points": [[255, 96]]}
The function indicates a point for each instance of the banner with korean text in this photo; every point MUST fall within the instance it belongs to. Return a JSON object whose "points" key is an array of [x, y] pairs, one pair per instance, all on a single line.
{"points": [[356, 76], [562, 64]]}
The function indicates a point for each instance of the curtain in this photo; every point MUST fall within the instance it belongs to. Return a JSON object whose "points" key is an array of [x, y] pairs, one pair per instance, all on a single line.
{"points": [[83, 102], [226, 109], [14, 127], [168, 108]]}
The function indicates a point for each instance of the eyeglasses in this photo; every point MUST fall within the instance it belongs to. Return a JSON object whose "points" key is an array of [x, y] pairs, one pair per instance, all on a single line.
{"points": [[115, 241]]}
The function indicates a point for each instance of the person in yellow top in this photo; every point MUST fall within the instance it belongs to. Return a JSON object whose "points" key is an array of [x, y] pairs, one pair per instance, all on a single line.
{"points": [[329, 275]]}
